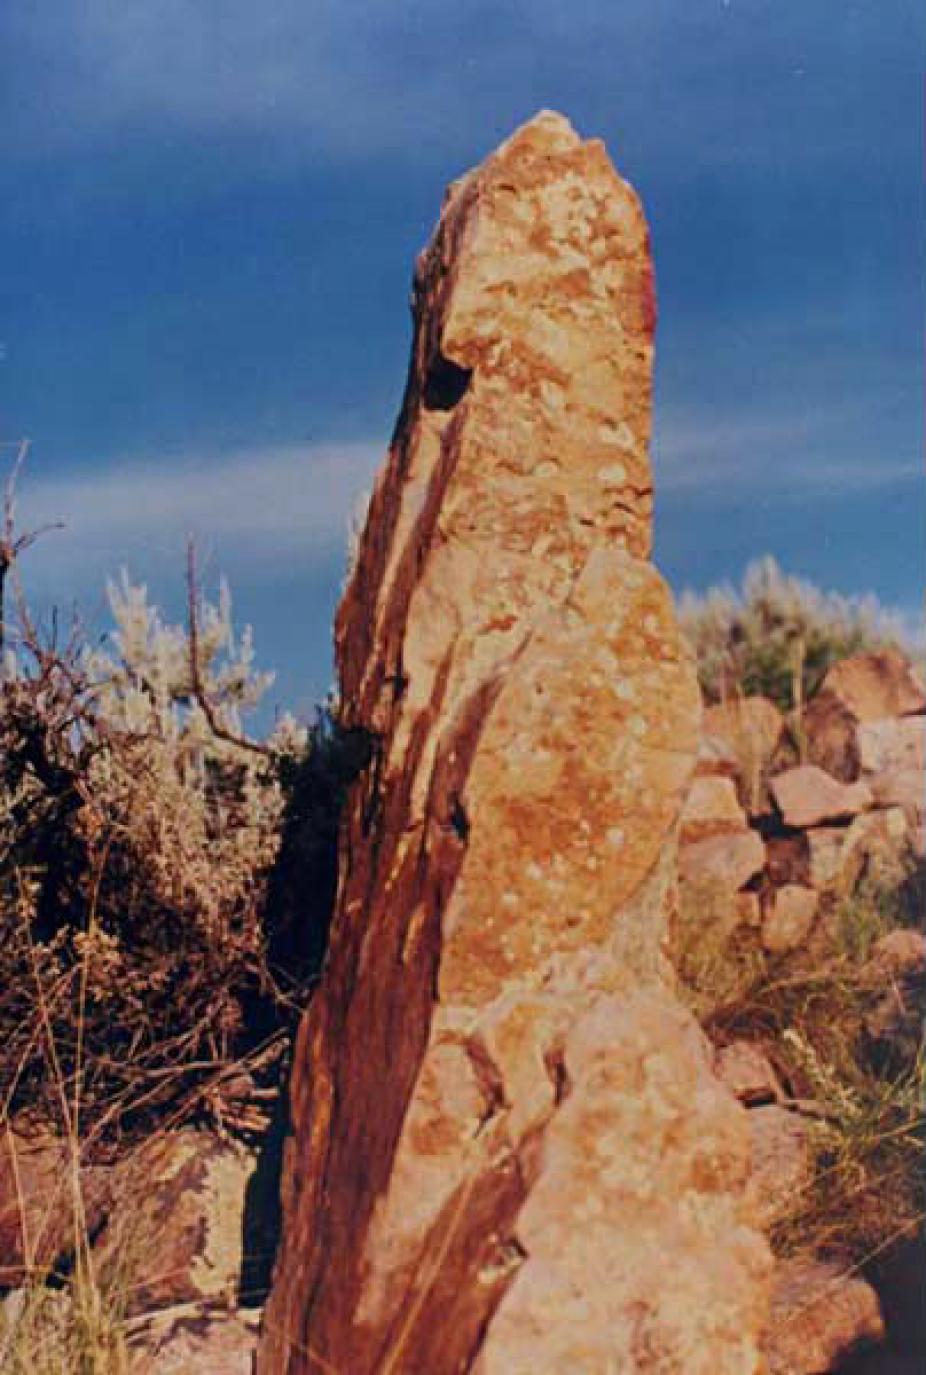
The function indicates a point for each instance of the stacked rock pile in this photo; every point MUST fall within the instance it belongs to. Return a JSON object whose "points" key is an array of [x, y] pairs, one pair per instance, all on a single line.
{"points": [[785, 820], [785, 815]]}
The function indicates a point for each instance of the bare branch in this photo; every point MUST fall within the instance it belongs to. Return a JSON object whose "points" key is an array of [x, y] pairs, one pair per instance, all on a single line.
{"points": [[196, 679], [11, 545]]}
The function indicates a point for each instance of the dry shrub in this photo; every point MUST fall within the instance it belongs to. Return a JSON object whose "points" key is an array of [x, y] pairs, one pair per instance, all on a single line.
{"points": [[777, 635], [138, 829]]}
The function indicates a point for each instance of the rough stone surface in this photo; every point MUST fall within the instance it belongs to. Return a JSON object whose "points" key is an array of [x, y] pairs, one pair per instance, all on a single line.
{"points": [[789, 917], [780, 1162], [493, 1057], [892, 746], [865, 688], [899, 953], [877, 844], [747, 725], [711, 808], [825, 854], [875, 686], [724, 862], [747, 1073], [36, 1203], [174, 1235], [829, 731], [897, 965], [906, 789], [820, 1315], [809, 796], [214, 1343]]}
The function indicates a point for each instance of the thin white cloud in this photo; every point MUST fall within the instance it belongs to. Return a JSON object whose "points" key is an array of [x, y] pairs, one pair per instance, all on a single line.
{"points": [[263, 509], [800, 456]]}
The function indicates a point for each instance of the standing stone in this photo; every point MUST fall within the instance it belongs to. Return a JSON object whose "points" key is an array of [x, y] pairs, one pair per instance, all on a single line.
{"points": [[494, 1084]]}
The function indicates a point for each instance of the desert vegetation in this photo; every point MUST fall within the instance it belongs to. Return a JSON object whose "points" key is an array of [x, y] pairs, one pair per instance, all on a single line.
{"points": [[776, 635], [154, 956], [844, 1036], [145, 844]]}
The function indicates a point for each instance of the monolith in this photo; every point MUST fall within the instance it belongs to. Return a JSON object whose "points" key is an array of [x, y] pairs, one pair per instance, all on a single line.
{"points": [[509, 1151]]}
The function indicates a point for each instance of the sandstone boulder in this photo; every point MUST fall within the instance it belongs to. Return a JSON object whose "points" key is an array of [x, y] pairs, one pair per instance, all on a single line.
{"points": [[877, 844], [899, 954], [897, 967], [825, 845], [196, 1343], [865, 688], [493, 1085], [876, 685], [174, 1235], [821, 1314], [829, 729], [38, 1227], [748, 1073], [808, 796], [906, 789], [789, 917], [893, 745], [711, 808], [725, 863], [780, 1162]]}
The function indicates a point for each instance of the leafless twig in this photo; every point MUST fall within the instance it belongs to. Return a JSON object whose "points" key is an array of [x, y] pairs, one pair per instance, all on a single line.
{"points": [[11, 544], [197, 685]]}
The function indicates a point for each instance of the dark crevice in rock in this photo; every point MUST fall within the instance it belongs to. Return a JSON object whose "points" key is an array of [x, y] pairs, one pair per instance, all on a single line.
{"points": [[445, 384], [555, 1063]]}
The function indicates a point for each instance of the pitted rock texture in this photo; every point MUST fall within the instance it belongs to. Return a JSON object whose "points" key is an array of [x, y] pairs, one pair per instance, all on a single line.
{"points": [[509, 1148]]}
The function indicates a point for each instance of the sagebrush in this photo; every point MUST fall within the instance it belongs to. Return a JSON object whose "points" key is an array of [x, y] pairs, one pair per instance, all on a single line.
{"points": [[777, 635]]}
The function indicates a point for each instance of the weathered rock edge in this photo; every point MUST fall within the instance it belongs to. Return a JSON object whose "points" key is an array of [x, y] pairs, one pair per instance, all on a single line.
{"points": [[509, 1150]]}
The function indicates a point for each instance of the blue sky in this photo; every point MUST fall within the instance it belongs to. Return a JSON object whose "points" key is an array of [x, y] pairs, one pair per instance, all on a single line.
{"points": [[209, 212]]}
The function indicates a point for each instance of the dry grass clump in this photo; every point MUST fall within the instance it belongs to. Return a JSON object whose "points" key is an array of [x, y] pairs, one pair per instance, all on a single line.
{"points": [[856, 1078], [777, 635], [74, 1329]]}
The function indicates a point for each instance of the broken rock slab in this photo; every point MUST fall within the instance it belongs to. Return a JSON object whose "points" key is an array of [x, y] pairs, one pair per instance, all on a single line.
{"points": [[808, 796], [711, 809], [866, 688], [748, 1073], [725, 862], [893, 745], [789, 917], [876, 685]]}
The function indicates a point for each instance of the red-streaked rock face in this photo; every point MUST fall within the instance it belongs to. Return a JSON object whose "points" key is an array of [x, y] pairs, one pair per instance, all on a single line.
{"points": [[509, 1148]]}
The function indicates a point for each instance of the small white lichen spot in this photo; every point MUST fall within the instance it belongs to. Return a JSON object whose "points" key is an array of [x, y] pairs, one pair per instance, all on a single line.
{"points": [[615, 475], [615, 836]]}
